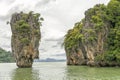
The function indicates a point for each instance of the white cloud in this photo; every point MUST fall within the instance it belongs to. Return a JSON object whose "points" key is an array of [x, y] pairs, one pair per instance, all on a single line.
{"points": [[59, 15]]}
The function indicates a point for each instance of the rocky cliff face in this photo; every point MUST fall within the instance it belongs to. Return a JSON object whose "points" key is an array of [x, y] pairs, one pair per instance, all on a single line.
{"points": [[25, 37], [88, 42]]}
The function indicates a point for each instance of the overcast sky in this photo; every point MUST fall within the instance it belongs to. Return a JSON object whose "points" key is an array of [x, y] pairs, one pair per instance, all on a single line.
{"points": [[59, 16]]}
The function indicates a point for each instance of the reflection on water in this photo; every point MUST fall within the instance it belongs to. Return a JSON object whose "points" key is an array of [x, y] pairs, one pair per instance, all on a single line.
{"points": [[57, 71], [51, 70], [25, 74], [41, 71], [92, 73]]}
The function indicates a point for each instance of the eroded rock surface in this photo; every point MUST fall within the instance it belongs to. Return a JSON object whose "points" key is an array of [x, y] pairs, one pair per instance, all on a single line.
{"points": [[94, 40], [25, 37]]}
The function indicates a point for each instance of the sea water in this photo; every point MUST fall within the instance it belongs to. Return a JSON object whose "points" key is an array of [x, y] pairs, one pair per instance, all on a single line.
{"points": [[57, 71]]}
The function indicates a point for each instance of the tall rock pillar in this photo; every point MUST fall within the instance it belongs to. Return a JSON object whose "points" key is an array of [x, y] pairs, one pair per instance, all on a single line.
{"points": [[25, 37]]}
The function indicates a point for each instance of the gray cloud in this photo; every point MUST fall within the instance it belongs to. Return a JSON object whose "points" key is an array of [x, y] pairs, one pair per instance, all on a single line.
{"points": [[54, 39], [59, 15], [61, 54], [6, 17], [60, 41], [43, 3], [54, 46], [6, 46], [8, 1], [7, 37], [42, 50], [10, 12], [51, 39]]}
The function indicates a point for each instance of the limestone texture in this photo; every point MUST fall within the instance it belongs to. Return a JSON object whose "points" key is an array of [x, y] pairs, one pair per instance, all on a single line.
{"points": [[95, 40], [25, 37]]}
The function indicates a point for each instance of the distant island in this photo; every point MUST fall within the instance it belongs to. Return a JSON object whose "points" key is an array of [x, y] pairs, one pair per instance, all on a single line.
{"points": [[49, 60], [6, 56]]}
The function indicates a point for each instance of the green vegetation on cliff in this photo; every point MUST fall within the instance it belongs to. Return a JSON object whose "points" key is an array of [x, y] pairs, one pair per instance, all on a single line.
{"points": [[6, 56], [25, 37], [98, 33], [113, 42]]}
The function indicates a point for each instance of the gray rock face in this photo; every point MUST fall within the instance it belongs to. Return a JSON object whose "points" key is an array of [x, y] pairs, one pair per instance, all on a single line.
{"points": [[90, 42], [25, 37]]}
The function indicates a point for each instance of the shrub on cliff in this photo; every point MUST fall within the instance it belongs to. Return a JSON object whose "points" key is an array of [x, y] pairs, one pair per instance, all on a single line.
{"points": [[100, 30], [25, 37]]}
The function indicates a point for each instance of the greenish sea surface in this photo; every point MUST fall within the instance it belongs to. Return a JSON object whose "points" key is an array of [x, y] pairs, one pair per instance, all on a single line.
{"points": [[57, 71]]}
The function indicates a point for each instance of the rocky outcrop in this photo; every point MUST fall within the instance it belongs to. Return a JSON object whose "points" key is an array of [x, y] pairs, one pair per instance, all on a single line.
{"points": [[88, 43], [25, 37]]}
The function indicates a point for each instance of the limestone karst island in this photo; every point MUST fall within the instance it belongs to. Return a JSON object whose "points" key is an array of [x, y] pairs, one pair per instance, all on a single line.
{"points": [[25, 37], [60, 40], [95, 40]]}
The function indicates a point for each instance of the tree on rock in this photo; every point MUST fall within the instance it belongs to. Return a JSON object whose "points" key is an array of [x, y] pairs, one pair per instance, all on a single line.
{"points": [[25, 37], [95, 40]]}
